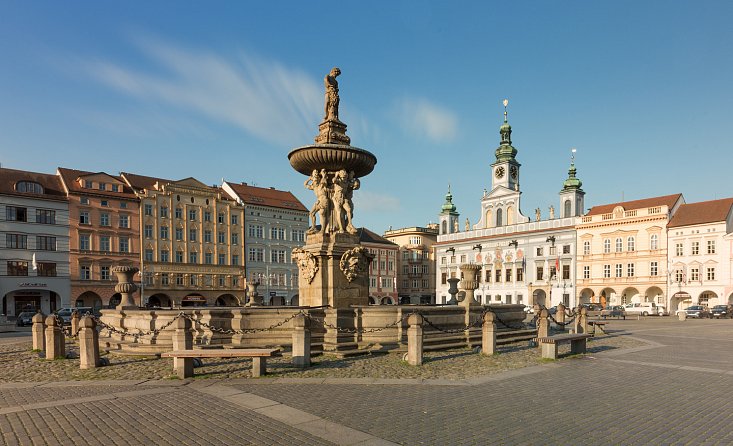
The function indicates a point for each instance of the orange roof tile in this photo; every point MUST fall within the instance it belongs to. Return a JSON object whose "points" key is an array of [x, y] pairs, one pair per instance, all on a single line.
{"points": [[52, 187], [666, 200], [263, 196], [70, 177], [702, 212]]}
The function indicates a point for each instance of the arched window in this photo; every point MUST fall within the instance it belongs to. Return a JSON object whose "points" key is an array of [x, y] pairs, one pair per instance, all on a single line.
{"points": [[488, 218], [586, 247], [566, 209], [654, 242], [619, 245], [607, 246], [510, 215], [630, 244], [499, 219], [444, 228], [29, 187]]}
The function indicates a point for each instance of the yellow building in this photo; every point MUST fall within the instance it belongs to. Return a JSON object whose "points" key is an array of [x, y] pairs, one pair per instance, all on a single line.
{"points": [[415, 263], [192, 238], [622, 251]]}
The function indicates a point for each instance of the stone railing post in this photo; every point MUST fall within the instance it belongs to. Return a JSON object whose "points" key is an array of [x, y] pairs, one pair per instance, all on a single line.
{"points": [[183, 340], [74, 322], [414, 339], [543, 325], [583, 320], [55, 342], [301, 341], [39, 332], [88, 343], [488, 334], [560, 316]]}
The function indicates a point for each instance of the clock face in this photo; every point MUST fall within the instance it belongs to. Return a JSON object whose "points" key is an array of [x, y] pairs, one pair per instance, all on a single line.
{"points": [[499, 172], [513, 171]]}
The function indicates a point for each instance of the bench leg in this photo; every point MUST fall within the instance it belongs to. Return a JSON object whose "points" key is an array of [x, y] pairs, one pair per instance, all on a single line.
{"points": [[183, 367], [259, 366], [549, 351], [577, 346]]}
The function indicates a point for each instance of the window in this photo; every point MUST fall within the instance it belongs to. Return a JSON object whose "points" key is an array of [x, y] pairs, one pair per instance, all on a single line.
{"points": [[148, 209], [192, 234], [298, 235], [163, 212], [630, 244], [104, 272], [678, 276], [654, 242], [566, 249], [256, 231], [607, 246], [463, 258], [508, 275], [46, 217], [619, 270], [124, 221], [222, 259], [619, 245], [179, 213], [46, 269], [104, 243], [566, 272], [221, 237], [148, 231], [164, 232], [87, 184], [586, 272], [630, 270], [193, 257], [235, 219], [164, 253], [540, 273], [425, 268], [606, 271], [179, 234], [695, 248], [45, 243], [208, 236], [207, 216], [416, 240], [164, 279], [85, 242], [539, 251], [124, 244], [179, 279], [104, 219], [16, 241], [192, 214], [84, 218], [425, 283], [102, 186], [235, 238], [148, 255], [123, 205], [443, 278], [520, 274], [220, 218], [222, 281], [553, 250], [586, 248], [654, 269], [115, 188], [179, 256], [497, 276], [193, 280], [710, 273], [277, 256], [711, 246], [17, 268], [678, 249], [85, 272], [104, 203], [553, 272], [694, 274], [235, 259], [29, 187], [84, 200], [208, 258]]}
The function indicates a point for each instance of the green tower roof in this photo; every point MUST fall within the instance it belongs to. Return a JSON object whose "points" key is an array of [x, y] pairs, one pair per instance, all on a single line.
{"points": [[448, 207], [505, 151], [572, 183]]}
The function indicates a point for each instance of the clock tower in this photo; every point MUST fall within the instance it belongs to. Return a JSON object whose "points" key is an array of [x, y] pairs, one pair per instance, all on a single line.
{"points": [[505, 170]]}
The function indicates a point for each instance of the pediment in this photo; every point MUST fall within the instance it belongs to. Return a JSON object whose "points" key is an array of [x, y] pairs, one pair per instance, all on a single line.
{"points": [[191, 182], [100, 177]]}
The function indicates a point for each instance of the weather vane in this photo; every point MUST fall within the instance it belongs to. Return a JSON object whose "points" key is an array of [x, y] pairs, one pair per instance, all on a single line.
{"points": [[505, 102], [572, 154]]}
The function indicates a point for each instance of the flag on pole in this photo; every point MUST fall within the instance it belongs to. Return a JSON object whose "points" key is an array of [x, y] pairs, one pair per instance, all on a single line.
{"points": [[524, 263], [33, 262]]}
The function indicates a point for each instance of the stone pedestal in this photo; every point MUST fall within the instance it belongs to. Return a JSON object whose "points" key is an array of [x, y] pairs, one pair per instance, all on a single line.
{"points": [[488, 334], [55, 342], [88, 343], [469, 283], [301, 341], [414, 339], [255, 300], [39, 332], [453, 290], [74, 322], [543, 324], [125, 286], [183, 340], [560, 316]]}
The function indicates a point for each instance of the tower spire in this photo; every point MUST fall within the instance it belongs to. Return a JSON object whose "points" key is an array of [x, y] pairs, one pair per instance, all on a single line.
{"points": [[572, 182], [505, 152]]}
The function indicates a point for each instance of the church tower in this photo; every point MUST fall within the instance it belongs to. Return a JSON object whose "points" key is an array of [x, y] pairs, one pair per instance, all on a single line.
{"points": [[572, 197], [448, 218], [506, 167]]}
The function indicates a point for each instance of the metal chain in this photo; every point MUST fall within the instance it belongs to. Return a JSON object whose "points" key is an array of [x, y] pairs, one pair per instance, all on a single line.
{"points": [[240, 331], [356, 330]]}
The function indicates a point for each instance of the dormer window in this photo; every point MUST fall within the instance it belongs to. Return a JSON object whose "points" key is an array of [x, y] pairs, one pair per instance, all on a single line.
{"points": [[102, 186], [87, 184], [28, 187], [115, 188]]}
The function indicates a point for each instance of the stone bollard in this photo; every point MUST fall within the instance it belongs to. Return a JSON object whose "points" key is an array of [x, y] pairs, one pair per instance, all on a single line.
{"points": [[88, 344], [55, 342], [560, 317], [74, 322], [582, 326], [414, 339], [543, 324], [183, 340], [682, 315], [39, 335], [488, 334], [301, 341]]}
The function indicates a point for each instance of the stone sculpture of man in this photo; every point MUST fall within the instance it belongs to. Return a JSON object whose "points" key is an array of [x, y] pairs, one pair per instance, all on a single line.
{"points": [[468, 224], [318, 183], [338, 199], [332, 95], [552, 212], [353, 184], [537, 214]]}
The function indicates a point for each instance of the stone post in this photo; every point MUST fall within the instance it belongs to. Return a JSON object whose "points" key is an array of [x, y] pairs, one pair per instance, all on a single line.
{"points": [[183, 340], [488, 338], [453, 290], [560, 316], [582, 320], [255, 300], [39, 335], [74, 322], [88, 343], [301, 341], [125, 286], [543, 326], [682, 315], [469, 283], [55, 342], [414, 339]]}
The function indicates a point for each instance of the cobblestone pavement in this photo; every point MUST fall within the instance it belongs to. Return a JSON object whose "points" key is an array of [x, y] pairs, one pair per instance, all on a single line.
{"points": [[654, 381]]}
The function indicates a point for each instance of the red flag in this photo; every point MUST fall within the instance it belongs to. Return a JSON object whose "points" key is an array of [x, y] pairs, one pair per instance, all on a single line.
{"points": [[557, 264]]}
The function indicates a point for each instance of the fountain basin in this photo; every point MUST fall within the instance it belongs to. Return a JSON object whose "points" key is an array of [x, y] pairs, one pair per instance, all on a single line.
{"points": [[332, 157]]}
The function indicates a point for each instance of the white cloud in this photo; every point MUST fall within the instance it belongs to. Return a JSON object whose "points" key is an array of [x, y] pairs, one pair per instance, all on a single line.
{"points": [[425, 119], [272, 102], [365, 201]]}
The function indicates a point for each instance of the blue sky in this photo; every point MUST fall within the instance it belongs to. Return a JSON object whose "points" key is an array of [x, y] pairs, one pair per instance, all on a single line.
{"points": [[642, 89]]}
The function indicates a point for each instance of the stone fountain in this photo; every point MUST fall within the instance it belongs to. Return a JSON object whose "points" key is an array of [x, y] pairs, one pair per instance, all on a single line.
{"points": [[334, 267]]}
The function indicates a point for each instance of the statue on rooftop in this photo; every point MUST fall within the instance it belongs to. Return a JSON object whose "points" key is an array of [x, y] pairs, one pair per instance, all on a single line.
{"points": [[332, 95]]}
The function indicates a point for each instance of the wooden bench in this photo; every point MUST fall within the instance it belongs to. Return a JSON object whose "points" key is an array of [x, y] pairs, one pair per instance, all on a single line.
{"points": [[597, 325], [259, 358], [549, 344]]}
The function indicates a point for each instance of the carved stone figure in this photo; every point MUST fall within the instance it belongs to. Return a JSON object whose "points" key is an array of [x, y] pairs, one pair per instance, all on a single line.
{"points": [[353, 184], [537, 214], [552, 212], [318, 183], [468, 224], [355, 262], [307, 263], [455, 226], [338, 199], [332, 95]]}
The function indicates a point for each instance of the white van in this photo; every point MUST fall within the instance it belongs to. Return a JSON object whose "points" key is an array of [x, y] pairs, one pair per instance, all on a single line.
{"points": [[642, 308]]}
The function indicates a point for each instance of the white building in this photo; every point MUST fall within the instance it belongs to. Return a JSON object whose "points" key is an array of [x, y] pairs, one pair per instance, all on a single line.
{"points": [[523, 262], [34, 245], [275, 223], [699, 238]]}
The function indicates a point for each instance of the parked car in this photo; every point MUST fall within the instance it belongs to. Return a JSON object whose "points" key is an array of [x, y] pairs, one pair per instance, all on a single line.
{"points": [[65, 313], [25, 318], [661, 311], [616, 311], [594, 310], [698, 311], [642, 308], [721, 311]]}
